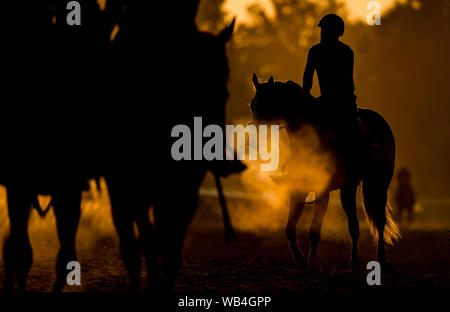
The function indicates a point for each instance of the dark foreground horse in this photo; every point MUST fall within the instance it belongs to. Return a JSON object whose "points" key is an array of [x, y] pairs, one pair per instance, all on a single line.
{"points": [[184, 74], [287, 103], [52, 78], [107, 109]]}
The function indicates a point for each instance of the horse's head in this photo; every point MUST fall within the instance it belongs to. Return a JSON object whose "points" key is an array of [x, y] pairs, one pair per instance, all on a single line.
{"points": [[283, 103], [209, 72]]}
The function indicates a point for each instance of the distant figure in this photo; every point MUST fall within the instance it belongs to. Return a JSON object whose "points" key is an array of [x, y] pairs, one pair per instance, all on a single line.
{"points": [[333, 61], [405, 197]]}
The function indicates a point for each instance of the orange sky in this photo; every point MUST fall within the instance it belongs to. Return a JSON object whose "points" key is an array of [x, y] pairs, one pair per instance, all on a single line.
{"points": [[357, 8]]}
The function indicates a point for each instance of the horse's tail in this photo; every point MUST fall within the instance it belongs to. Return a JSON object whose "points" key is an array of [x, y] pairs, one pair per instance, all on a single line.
{"points": [[371, 202], [378, 173]]}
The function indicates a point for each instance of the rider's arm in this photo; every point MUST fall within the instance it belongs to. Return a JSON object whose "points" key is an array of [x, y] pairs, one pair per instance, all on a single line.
{"points": [[309, 73]]}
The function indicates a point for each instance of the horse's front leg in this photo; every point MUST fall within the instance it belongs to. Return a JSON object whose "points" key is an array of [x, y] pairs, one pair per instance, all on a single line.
{"points": [[17, 251], [297, 203], [122, 209], [67, 209], [172, 219], [314, 231]]}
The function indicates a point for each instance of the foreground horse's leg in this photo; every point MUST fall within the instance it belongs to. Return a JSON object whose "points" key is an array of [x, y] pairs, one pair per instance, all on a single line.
{"points": [[17, 251], [149, 246], [172, 220], [297, 203], [314, 232], [124, 223], [67, 212], [348, 200]]}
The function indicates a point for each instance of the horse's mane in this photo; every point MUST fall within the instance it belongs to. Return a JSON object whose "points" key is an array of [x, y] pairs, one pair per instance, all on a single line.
{"points": [[289, 89], [283, 100]]}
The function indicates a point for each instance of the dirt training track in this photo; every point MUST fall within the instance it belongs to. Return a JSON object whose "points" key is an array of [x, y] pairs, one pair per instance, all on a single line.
{"points": [[260, 261]]}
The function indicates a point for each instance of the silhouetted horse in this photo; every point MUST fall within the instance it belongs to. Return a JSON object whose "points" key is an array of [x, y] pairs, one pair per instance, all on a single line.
{"points": [[52, 77], [165, 78], [287, 103]]}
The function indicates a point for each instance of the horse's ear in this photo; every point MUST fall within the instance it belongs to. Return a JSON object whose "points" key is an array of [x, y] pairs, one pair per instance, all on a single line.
{"points": [[255, 81], [271, 81], [225, 34]]}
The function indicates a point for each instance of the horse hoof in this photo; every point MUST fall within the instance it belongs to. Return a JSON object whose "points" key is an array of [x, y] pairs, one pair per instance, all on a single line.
{"points": [[8, 289], [355, 266], [303, 263], [313, 261], [387, 267], [134, 286], [58, 286], [313, 270], [298, 256], [313, 267], [299, 260]]}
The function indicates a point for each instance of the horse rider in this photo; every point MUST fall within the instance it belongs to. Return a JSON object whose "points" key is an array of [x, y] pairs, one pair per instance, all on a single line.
{"points": [[333, 61]]}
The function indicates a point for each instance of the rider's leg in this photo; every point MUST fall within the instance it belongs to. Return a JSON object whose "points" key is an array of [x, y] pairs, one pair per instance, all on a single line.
{"points": [[348, 135]]}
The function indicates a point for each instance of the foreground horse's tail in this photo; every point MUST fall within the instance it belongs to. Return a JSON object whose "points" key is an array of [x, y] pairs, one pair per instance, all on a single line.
{"points": [[374, 203]]}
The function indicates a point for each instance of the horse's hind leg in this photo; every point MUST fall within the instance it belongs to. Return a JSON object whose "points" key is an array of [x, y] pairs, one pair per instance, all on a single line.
{"points": [[297, 203], [67, 213], [149, 247], [17, 252], [314, 232], [348, 200], [380, 219]]}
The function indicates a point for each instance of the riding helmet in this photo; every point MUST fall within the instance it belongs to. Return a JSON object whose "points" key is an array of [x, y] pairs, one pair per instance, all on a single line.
{"points": [[332, 23]]}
